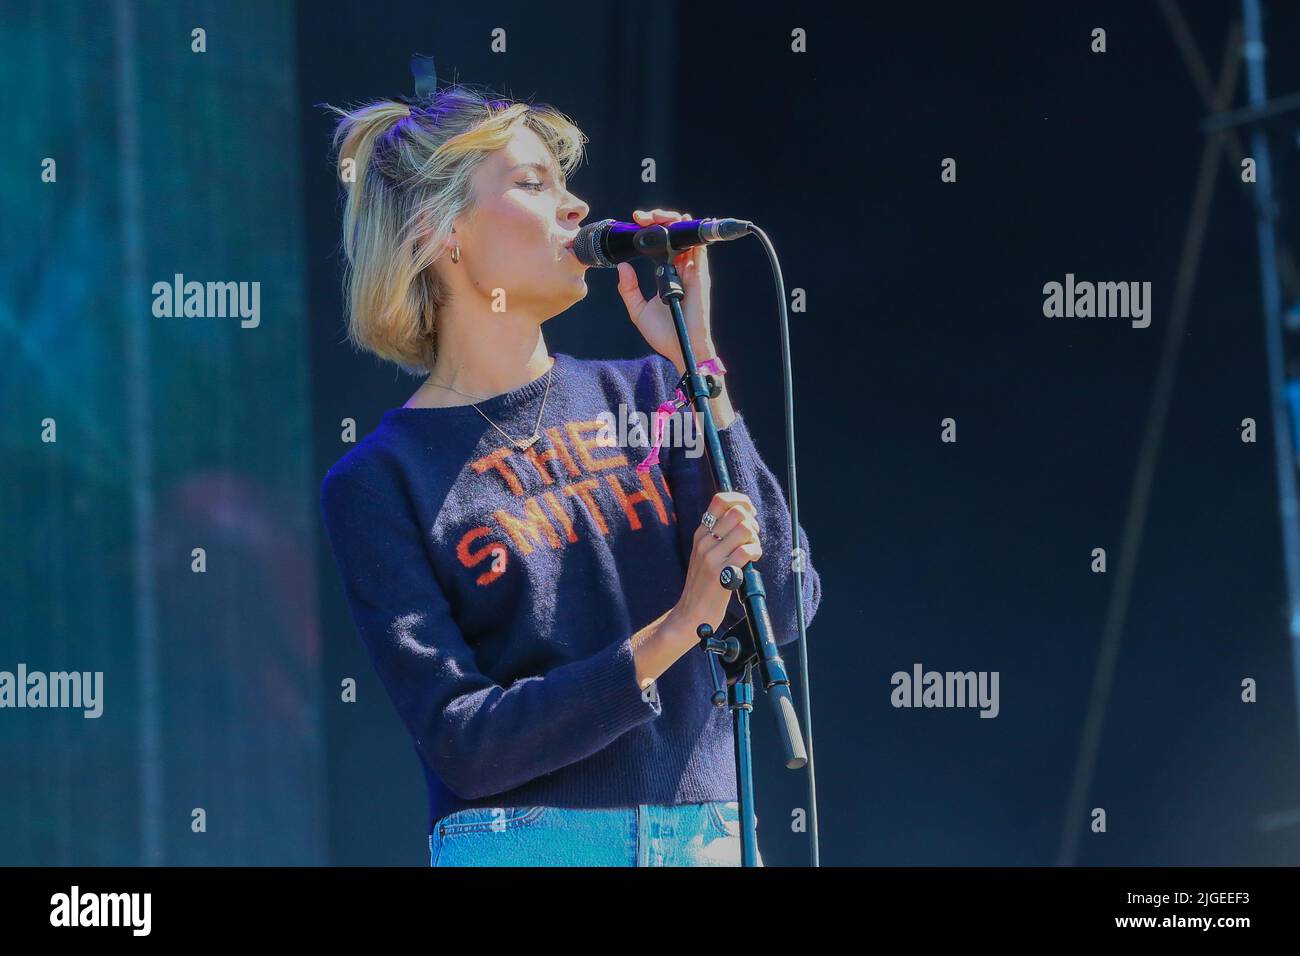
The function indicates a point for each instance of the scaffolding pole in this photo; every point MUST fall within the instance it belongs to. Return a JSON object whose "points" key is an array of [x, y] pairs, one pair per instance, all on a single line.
{"points": [[1271, 295]]}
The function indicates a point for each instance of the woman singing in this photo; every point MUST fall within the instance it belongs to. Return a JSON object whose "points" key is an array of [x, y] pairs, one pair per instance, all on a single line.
{"points": [[527, 588]]}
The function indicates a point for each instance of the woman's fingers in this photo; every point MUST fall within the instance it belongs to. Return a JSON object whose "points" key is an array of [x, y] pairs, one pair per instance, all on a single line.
{"points": [[692, 258], [740, 539], [629, 289], [737, 546], [734, 517], [725, 502], [743, 554], [733, 539], [735, 534], [657, 215], [733, 501]]}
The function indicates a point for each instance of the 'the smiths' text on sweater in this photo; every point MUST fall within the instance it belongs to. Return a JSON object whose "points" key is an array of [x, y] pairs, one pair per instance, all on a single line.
{"points": [[496, 591]]}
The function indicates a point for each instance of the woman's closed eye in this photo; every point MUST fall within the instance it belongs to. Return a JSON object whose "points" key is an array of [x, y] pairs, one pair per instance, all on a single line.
{"points": [[532, 185]]}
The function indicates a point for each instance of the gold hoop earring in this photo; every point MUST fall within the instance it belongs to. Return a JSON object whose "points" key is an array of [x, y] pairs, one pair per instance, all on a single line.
{"points": [[455, 253]]}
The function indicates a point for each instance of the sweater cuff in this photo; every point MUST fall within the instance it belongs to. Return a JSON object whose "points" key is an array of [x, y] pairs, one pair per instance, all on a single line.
{"points": [[737, 443], [618, 702]]}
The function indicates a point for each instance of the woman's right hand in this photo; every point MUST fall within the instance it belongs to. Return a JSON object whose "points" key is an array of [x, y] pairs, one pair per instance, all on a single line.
{"points": [[733, 540]]}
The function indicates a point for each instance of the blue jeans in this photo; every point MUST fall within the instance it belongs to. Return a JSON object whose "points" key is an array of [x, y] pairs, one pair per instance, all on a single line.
{"points": [[687, 834]]}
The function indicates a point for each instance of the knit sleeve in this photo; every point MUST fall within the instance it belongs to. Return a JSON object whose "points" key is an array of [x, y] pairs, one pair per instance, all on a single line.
{"points": [[691, 484], [478, 737]]}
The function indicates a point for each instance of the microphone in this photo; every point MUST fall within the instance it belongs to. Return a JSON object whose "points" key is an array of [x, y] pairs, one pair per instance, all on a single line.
{"points": [[604, 244]]}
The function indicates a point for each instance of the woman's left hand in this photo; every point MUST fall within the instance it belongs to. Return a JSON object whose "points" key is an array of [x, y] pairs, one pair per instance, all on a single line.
{"points": [[652, 317]]}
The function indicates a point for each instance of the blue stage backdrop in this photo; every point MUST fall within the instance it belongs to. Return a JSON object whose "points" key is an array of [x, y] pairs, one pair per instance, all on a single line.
{"points": [[154, 520]]}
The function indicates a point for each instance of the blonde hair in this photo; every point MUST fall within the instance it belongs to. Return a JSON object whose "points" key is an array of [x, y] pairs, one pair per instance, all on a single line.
{"points": [[407, 171]]}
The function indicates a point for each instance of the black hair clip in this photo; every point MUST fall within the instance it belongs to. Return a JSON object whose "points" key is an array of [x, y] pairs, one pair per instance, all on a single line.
{"points": [[426, 85], [426, 76]]}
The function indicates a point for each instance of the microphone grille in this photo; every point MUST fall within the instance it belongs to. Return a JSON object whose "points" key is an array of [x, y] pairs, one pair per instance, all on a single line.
{"points": [[589, 244]]}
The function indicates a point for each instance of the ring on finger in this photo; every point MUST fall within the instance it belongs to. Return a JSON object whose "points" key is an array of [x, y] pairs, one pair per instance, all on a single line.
{"points": [[709, 521]]}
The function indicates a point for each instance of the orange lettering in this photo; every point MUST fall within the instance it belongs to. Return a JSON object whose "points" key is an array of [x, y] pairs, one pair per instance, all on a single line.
{"points": [[497, 460], [558, 452], [582, 489], [529, 529], [561, 515], [648, 493], [585, 445], [470, 558]]}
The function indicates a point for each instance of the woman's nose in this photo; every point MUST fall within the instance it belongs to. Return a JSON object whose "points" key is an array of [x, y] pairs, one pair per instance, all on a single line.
{"points": [[576, 209]]}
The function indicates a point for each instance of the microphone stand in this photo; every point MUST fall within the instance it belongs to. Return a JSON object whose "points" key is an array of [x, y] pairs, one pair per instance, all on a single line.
{"points": [[761, 651]]}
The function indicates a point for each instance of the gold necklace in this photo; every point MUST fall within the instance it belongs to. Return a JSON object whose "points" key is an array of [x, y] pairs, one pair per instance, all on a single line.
{"points": [[522, 444]]}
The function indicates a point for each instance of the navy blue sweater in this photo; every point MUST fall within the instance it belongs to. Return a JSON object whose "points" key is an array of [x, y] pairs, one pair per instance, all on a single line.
{"points": [[496, 591]]}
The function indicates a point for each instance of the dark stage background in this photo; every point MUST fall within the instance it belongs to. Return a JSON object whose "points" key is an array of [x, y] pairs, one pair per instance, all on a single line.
{"points": [[924, 302]]}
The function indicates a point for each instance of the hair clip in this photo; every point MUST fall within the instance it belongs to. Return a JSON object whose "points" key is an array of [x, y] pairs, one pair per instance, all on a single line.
{"points": [[426, 76]]}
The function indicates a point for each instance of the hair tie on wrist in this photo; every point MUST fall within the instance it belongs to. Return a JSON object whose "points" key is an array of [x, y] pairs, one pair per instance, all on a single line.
{"points": [[660, 419], [713, 366]]}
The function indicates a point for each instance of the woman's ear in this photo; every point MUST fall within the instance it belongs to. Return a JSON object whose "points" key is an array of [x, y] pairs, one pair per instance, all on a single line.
{"points": [[425, 233]]}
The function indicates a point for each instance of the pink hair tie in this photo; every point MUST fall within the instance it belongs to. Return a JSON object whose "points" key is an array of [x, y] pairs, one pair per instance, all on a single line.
{"points": [[713, 366], [661, 415]]}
